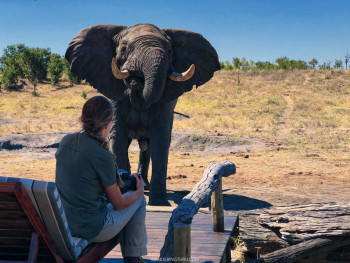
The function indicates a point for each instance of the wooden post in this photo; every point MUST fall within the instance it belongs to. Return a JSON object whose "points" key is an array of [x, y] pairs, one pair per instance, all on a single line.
{"points": [[182, 242], [191, 203], [217, 209]]}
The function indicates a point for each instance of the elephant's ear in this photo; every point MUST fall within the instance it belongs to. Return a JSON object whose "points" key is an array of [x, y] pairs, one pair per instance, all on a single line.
{"points": [[191, 48], [90, 55]]}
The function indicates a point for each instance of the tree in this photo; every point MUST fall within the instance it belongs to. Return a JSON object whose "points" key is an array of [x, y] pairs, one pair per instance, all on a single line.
{"points": [[10, 64], [9, 76], [237, 63], [244, 64], [55, 68], [301, 64], [251, 65], [313, 63], [282, 62], [260, 65], [222, 65], [34, 63], [338, 63], [325, 65], [347, 57], [228, 66]]}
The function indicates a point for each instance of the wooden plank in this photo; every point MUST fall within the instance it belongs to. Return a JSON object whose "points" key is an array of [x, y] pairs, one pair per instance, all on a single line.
{"points": [[16, 232], [5, 223], [9, 205], [34, 220], [11, 214], [6, 197], [206, 245]]}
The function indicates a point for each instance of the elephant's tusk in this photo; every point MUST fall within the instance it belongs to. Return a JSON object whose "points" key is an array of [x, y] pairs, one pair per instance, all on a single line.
{"points": [[124, 74], [183, 76]]}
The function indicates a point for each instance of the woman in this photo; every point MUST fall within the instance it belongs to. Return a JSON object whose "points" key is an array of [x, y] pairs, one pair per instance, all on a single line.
{"points": [[85, 172]]}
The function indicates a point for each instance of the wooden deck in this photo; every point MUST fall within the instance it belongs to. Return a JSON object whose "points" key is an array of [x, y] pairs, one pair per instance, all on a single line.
{"points": [[206, 245]]}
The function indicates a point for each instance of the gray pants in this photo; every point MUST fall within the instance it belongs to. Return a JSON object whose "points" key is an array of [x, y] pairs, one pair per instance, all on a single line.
{"points": [[129, 223]]}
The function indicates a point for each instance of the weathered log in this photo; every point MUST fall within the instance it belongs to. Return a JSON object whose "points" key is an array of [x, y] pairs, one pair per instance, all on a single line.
{"points": [[191, 203], [258, 239], [311, 251], [299, 223]]}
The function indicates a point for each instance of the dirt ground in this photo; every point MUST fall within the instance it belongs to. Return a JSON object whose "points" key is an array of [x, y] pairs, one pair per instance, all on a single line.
{"points": [[269, 172]]}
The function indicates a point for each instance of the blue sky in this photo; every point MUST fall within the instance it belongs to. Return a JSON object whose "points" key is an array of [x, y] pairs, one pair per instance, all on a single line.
{"points": [[255, 29]]}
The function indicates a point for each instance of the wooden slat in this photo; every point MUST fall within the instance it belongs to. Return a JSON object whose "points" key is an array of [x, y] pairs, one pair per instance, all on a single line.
{"points": [[7, 197], [14, 241], [9, 205], [6, 224], [12, 214], [206, 245], [19, 233], [33, 221]]}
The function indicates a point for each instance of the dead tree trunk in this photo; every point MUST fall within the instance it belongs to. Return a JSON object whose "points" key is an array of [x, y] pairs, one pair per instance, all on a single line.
{"points": [[191, 203], [313, 230]]}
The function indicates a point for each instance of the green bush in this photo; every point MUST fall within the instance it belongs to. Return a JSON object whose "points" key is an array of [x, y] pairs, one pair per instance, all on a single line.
{"points": [[9, 76], [21, 61], [55, 68], [10, 64], [338, 63], [34, 63]]}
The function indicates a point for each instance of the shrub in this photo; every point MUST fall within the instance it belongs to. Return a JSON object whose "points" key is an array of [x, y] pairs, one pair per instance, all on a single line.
{"points": [[338, 63], [55, 67], [34, 63], [228, 66], [74, 79], [9, 77], [10, 64], [313, 63]]}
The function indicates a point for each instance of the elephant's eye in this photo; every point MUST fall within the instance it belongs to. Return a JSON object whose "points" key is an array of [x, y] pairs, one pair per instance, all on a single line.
{"points": [[123, 50]]}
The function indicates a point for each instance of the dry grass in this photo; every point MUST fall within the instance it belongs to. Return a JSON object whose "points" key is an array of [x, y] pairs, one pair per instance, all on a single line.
{"points": [[311, 146]]}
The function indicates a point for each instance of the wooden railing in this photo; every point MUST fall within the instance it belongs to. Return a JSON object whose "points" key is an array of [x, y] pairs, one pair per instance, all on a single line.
{"points": [[177, 244]]}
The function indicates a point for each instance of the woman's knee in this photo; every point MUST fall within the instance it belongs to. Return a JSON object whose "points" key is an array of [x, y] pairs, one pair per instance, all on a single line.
{"points": [[143, 201]]}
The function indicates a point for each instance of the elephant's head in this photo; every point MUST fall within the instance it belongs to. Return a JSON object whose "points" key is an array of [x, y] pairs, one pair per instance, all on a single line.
{"points": [[141, 62]]}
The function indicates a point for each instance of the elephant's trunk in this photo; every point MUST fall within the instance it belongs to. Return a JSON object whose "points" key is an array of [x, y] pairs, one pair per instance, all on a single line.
{"points": [[154, 69]]}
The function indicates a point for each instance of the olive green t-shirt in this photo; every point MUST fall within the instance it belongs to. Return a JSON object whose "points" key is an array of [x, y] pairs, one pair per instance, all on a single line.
{"points": [[83, 170]]}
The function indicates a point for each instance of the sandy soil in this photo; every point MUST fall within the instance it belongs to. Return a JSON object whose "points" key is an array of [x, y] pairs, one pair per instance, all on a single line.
{"points": [[269, 173]]}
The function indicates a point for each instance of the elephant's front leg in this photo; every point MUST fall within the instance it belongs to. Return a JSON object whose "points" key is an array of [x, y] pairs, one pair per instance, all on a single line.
{"points": [[160, 138], [119, 140], [144, 159]]}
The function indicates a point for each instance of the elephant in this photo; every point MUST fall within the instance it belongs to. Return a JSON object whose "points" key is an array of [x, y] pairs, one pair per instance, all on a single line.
{"points": [[143, 70]]}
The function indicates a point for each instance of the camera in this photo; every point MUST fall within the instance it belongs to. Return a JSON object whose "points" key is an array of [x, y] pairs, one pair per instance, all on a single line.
{"points": [[129, 181]]}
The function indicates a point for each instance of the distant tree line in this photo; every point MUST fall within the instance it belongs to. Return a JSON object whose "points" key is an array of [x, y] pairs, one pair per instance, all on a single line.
{"points": [[282, 63], [33, 64], [36, 64]]}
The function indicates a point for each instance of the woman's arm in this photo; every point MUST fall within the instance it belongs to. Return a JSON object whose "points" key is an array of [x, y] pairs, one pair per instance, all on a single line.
{"points": [[121, 201]]}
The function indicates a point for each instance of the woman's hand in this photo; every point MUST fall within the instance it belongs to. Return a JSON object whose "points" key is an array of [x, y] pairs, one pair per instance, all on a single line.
{"points": [[121, 201], [140, 184]]}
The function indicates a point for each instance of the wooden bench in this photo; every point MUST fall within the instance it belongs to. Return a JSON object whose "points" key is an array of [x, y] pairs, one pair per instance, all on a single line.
{"points": [[30, 233], [33, 226]]}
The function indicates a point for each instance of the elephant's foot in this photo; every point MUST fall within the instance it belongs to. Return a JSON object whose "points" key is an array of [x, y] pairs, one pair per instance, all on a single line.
{"points": [[146, 186], [158, 200]]}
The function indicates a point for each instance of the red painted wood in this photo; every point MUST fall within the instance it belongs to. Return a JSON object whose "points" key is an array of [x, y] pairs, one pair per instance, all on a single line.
{"points": [[17, 189]]}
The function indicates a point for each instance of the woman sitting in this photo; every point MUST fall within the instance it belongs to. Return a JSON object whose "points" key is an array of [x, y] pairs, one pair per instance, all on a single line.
{"points": [[86, 173]]}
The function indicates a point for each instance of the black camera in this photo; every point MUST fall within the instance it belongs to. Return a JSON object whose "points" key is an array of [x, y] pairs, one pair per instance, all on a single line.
{"points": [[129, 181]]}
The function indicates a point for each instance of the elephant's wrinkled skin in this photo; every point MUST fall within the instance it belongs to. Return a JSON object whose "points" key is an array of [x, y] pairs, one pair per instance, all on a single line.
{"points": [[146, 98]]}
